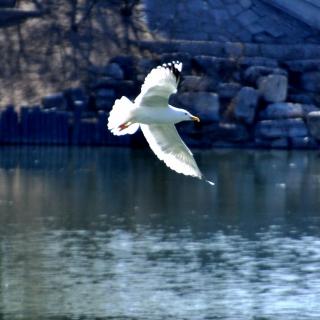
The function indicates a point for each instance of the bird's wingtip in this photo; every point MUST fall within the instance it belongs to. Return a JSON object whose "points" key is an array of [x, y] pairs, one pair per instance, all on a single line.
{"points": [[174, 66], [210, 182], [203, 178]]}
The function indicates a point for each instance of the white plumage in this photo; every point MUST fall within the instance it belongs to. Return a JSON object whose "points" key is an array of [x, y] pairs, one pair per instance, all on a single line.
{"points": [[151, 112]]}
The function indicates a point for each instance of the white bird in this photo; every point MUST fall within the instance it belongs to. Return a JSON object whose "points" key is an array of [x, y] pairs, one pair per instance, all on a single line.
{"points": [[151, 112]]}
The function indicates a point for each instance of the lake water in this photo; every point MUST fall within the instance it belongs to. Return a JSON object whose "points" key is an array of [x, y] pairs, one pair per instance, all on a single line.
{"points": [[113, 234]]}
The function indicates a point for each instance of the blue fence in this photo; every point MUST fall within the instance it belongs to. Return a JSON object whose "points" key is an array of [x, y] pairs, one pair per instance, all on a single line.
{"points": [[38, 126]]}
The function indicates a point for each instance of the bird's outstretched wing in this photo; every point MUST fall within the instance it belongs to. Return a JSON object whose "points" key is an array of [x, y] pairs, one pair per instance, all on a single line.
{"points": [[166, 143], [159, 84]]}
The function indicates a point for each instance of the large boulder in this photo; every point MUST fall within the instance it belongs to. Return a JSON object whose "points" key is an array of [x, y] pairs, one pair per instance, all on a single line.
{"points": [[203, 104], [284, 128], [273, 88], [245, 104], [313, 121], [253, 73], [222, 68], [285, 110]]}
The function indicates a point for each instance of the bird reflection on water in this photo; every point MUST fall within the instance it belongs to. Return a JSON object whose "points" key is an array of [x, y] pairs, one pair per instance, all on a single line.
{"points": [[111, 233]]}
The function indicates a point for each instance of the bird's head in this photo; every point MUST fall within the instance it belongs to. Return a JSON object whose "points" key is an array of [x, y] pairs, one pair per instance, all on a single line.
{"points": [[187, 116]]}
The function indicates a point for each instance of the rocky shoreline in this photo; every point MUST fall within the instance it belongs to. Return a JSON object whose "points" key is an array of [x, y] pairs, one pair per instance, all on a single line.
{"points": [[252, 102]]}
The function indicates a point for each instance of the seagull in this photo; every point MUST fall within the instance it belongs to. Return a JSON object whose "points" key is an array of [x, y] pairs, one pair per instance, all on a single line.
{"points": [[152, 113]]}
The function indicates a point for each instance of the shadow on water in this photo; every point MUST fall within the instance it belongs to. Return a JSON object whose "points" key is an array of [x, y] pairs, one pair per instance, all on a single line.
{"points": [[103, 233]]}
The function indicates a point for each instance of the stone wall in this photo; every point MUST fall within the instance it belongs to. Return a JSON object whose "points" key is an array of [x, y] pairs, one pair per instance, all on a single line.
{"points": [[227, 20], [256, 103], [251, 72]]}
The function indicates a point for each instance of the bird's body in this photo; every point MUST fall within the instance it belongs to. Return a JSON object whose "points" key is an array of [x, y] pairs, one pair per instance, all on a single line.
{"points": [[156, 115], [151, 112]]}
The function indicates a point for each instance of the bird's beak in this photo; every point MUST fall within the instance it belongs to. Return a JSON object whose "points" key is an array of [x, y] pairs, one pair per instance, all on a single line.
{"points": [[194, 118]]}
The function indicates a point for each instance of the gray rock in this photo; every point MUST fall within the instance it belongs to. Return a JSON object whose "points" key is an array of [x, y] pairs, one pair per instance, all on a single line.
{"points": [[203, 104], [273, 88], [313, 122], [285, 110], [196, 83], [310, 81], [228, 90], [56, 100], [286, 128], [253, 73], [221, 68], [114, 71], [245, 104]]}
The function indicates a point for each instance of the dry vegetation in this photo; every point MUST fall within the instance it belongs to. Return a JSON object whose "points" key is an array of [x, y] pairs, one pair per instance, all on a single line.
{"points": [[57, 50]]}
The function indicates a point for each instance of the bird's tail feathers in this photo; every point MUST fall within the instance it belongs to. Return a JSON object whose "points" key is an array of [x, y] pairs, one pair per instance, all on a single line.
{"points": [[118, 121]]}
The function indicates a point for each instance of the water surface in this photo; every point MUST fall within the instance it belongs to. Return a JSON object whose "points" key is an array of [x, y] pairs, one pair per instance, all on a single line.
{"points": [[112, 234]]}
